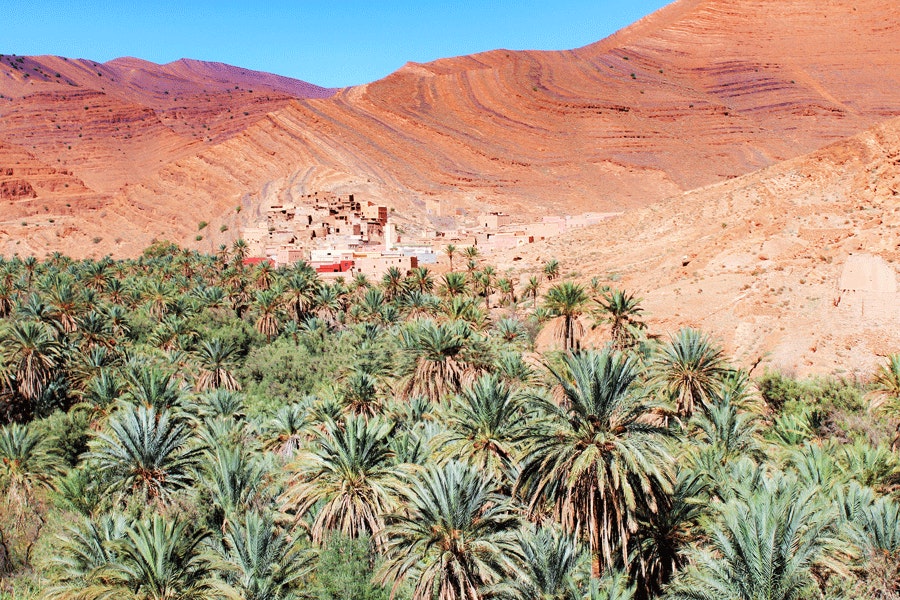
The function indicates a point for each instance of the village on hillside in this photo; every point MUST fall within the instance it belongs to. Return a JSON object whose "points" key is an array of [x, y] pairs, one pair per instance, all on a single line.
{"points": [[341, 236]]}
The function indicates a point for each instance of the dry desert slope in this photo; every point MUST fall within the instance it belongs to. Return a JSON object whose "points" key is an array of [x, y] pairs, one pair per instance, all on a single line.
{"points": [[697, 93], [793, 267], [75, 133]]}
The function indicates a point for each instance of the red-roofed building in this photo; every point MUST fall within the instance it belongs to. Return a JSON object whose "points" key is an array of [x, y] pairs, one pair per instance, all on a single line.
{"points": [[255, 260], [339, 267]]}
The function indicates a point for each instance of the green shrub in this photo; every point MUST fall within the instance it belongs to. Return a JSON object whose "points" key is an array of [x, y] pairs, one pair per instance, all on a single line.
{"points": [[66, 434], [284, 372], [828, 394], [345, 569], [777, 390]]}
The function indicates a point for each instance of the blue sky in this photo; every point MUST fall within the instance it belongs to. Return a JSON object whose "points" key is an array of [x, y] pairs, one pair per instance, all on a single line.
{"points": [[331, 43]]}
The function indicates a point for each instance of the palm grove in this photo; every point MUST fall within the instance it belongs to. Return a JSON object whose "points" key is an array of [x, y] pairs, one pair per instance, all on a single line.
{"points": [[186, 426]]}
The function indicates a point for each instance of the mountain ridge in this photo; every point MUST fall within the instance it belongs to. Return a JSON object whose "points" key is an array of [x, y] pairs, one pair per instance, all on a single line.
{"points": [[699, 92]]}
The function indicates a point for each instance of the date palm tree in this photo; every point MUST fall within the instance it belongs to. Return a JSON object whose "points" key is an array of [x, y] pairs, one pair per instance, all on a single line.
{"points": [[730, 432], [886, 391], [235, 480], [33, 353], [567, 302], [359, 284], [7, 300], [453, 284], [158, 296], [300, 291], [83, 553], [118, 320], [222, 403], [143, 452], [329, 303], [222, 256], [689, 369], [238, 291], [533, 289], [416, 304], [25, 463], [95, 330], [450, 251], [161, 559], [211, 297], [420, 279], [261, 561], [507, 291], [360, 393], [115, 291], [465, 308], [151, 387], [598, 457], [264, 275], [173, 333], [30, 265], [392, 283], [435, 358], [101, 393], [483, 428], [484, 283], [64, 303], [217, 360], [511, 331], [32, 308], [876, 532], [267, 305], [515, 371], [347, 470], [765, 546], [370, 307], [285, 433], [622, 311], [455, 537], [665, 535], [551, 269], [548, 569], [96, 275], [239, 251]]}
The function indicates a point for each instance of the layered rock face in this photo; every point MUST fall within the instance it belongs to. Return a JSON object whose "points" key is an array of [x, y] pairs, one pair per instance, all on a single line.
{"points": [[699, 92], [74, 134]]}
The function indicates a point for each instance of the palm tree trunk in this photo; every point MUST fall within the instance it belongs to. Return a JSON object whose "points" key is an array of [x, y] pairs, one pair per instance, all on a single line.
{"points": [[596, 562], [597, 541]]}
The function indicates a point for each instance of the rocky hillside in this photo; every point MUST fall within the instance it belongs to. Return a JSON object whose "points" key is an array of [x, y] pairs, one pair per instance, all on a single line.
{"points": [[75, 133], [792, 267], [697, 93]]}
